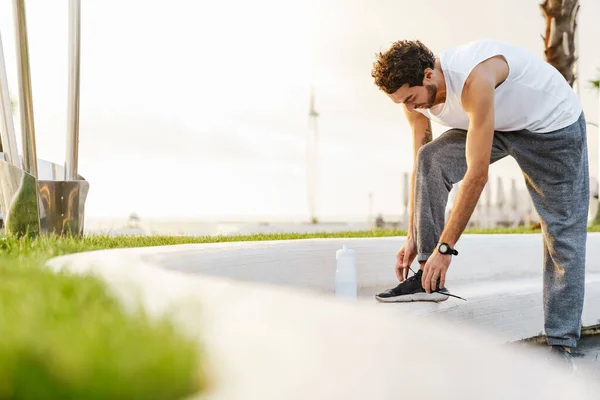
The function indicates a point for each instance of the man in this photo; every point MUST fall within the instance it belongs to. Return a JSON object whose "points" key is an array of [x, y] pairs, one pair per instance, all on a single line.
{"points": [[499, 100]]}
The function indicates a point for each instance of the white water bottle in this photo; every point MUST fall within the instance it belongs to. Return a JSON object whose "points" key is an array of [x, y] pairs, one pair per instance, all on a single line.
{"points": [[345, 274]]}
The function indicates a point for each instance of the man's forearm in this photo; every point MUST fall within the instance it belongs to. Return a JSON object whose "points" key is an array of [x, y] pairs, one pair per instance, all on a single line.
{"points": [[466, 201]]}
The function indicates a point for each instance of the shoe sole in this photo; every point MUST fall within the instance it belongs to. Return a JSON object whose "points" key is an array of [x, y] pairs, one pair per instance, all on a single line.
{"points": [[432, 297]]}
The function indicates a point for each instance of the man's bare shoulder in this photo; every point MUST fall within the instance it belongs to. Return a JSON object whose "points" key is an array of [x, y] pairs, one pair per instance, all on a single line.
{"points": [[494, 69]]}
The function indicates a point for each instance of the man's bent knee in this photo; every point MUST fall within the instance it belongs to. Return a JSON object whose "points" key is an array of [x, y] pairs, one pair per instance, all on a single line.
{"points": [[429, 155]]}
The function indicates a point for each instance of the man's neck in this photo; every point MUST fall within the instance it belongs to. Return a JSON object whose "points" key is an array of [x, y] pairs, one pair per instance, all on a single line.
{"points": [[440, 83]]}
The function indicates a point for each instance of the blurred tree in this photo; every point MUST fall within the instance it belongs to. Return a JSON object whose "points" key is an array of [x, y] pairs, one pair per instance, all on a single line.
{"points": [[559, 41]]}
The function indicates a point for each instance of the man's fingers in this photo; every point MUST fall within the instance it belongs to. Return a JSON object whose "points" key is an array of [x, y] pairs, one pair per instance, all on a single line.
{"points": [[434, 277], [398, 267], [405, 265], [400, 270], [403, 273], [430, 277], [443, 279], [400, 255], [399, 273], [425, 278]]}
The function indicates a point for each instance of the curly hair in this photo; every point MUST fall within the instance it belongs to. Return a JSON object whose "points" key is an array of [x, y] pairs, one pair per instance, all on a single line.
{"points": [[404, 62]]}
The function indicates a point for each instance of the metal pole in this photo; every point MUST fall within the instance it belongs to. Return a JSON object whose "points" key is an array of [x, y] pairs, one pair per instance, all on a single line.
{"points": [[312, 158], [405, 199], [500, 200], [72, 154], [25, 97], [370, 216], [7, 128], [488, 203]]}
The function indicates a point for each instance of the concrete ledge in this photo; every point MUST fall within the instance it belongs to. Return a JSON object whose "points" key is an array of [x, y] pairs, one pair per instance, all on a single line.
{"points": [[499, 275], [269, 342]]}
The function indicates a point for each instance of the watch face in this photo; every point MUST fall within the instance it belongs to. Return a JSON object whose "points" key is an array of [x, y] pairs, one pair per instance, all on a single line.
{"points": [[443, 248]]}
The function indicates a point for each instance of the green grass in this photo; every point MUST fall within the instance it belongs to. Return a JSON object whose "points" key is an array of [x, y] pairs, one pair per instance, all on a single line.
{"points": [[63, 336]]}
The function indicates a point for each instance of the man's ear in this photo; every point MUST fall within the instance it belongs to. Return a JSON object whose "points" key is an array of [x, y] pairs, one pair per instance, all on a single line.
{"points": [[428, 76]]}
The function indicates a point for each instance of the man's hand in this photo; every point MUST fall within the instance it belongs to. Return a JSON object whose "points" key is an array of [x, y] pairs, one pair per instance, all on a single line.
{"points": [[435, 268], [404, 258]]}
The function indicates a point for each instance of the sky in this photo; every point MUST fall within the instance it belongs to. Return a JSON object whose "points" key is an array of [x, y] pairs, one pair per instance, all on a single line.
{"points": [[197, 109]]}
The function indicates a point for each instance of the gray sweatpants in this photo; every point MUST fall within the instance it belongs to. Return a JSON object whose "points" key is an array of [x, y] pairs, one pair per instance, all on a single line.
{"points": [[555, 167]]}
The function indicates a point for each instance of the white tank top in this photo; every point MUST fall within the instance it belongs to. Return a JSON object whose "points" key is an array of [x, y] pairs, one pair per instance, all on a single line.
{"points": [[534, 96]]}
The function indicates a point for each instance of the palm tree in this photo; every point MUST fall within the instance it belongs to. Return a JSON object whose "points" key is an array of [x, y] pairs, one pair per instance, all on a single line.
{"points": [[559, 41]]}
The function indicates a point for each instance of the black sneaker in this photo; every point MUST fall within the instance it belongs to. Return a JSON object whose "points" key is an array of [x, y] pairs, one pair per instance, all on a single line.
{"points": [[412, 290], [562, 357]]}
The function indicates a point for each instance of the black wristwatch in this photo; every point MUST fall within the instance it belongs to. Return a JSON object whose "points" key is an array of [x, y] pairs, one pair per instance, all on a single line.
{"points": [[444, 248]]}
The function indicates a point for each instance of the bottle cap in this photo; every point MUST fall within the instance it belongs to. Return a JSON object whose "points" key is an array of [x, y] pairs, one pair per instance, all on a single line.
{"points": [[344, 251]]}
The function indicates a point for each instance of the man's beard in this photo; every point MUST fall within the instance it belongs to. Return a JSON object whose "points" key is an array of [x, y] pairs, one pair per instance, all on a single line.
{"points": [[432, 92]]}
